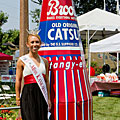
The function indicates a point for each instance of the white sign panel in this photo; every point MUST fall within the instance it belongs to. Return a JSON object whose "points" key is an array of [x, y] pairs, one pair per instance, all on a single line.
{"points": [[5, 78], [8, 78]]}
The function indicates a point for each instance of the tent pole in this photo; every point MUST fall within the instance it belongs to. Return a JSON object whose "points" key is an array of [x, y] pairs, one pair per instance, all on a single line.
{"points": [[117, 62], [89, 62], [92, 35], [103, 58], [88, 55], [86, 50], [117, 7], [104, 5]]}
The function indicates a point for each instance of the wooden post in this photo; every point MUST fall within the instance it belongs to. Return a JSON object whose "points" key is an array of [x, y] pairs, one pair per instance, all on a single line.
{"points": [[23, 26], [23, 33]]}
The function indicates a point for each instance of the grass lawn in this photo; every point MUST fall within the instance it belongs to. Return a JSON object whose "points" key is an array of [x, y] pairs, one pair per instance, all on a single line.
{"points": [[106, 108]]}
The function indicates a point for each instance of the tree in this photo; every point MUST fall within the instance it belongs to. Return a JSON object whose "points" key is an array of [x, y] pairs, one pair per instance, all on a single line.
{"points": [[83, 6], [3, 18], [9, 38], [9, 41], [36, 13]]}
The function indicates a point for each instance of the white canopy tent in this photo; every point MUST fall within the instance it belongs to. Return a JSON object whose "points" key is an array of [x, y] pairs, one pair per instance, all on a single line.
{"points": [[110, 45], [98, 24], [98, 19]]}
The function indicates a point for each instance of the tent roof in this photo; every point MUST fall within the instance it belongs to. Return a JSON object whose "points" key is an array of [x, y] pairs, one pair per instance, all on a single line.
{"points": [[98, 19], [110, 44], [5, 57]]}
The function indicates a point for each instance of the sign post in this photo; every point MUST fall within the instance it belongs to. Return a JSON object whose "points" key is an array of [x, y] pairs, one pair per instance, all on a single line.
{"points": [[69, 85]]}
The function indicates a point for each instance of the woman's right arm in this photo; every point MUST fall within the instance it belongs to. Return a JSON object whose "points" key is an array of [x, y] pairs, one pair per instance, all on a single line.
{"points": [[19, 73]]}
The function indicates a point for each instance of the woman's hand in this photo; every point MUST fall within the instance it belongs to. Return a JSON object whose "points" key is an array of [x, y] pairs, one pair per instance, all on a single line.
{"points": [[18, 101], [49, 105]]}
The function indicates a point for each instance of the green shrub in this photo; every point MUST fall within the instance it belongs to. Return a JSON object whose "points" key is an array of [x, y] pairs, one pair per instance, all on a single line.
{"points": [[94, 64], [98, 69]]}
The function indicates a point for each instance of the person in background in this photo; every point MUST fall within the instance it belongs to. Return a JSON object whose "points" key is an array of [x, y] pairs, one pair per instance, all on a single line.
{"points": [[31, 100], [92, 71], [10, 71], [106, 68]]}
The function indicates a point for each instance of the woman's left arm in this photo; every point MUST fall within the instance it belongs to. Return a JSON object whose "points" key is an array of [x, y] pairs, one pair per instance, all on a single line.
{"points": [[47, 82]]}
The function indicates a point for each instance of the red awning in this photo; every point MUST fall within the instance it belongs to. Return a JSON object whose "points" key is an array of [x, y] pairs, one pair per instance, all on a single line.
{"points": [[5, 57]]}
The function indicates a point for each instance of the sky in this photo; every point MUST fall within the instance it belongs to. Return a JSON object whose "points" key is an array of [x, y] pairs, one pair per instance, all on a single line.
{"points": [[12, 9]]}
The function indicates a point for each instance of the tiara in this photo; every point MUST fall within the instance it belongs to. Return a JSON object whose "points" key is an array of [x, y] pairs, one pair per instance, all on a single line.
{"points": [[33, 32]]}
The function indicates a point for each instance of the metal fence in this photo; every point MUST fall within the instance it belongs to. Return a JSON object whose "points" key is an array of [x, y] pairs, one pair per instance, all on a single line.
{"points": [[10, 108]]}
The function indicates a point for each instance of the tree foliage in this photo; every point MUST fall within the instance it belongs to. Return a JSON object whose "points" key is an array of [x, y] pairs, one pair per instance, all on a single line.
{"points": [[8, 39], [36, 13], [3, 18], [83, 6]]}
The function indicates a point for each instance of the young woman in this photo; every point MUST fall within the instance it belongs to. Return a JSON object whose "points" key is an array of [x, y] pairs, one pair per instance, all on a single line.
{"points": [[32, 101]]}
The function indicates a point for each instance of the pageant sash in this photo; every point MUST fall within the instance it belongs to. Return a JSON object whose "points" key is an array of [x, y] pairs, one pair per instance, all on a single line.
{"points": [[36, 73]]}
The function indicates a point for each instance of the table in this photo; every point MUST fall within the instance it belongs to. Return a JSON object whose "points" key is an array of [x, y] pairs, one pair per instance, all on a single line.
{"points": [[98, 85]]}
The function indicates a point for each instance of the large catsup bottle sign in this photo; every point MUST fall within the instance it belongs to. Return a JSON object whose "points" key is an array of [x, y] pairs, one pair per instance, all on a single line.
{"points": [[61, 45], [59, 26]]}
